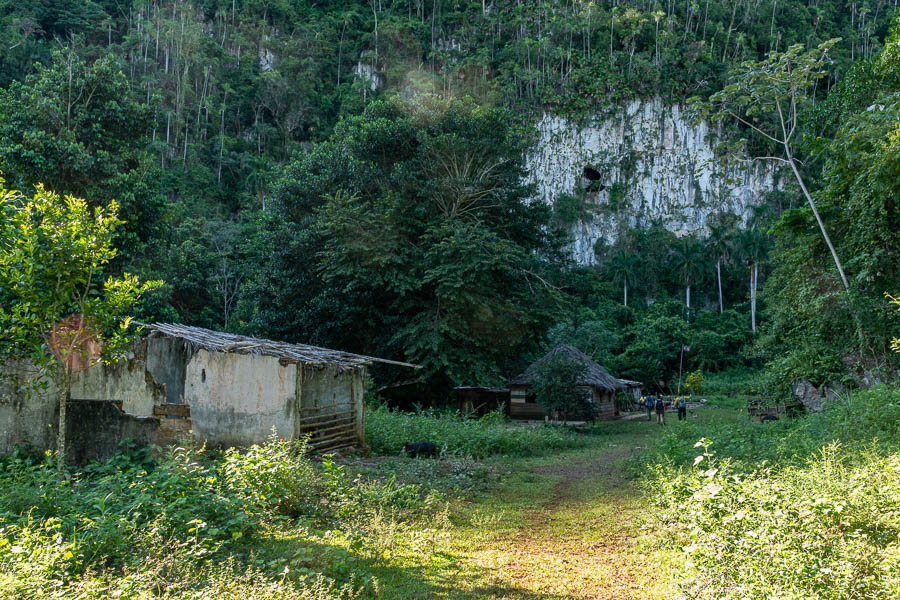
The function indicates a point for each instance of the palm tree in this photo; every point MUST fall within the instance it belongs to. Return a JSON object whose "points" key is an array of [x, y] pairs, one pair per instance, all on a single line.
{"points": [[752, 248], [688, 258], [624, 268], [720, 244]]}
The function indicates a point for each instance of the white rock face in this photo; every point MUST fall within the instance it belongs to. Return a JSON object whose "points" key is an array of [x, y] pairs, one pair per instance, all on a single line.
{"points": [[368, 74], [654, 163]]}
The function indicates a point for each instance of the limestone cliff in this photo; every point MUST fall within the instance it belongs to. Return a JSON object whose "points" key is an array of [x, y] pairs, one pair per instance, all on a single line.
{"points": [[644, 162]]}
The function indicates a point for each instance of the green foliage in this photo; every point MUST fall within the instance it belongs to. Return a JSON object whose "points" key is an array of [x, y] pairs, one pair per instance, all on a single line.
{"points": [[556, 388], [51, 266], [275, 477], [895, 343], [694, 382], [265, 522], [857, 197], [387, 431], [793, 509], [418, 212]]}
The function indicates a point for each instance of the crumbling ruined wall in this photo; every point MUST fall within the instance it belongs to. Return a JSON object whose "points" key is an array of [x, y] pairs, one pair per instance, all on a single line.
{"points": [[126, 381], [97, 429]]}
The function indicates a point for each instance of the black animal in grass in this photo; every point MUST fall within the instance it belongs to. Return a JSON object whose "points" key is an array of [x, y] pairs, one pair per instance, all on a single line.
{"points": [[416, 449]]}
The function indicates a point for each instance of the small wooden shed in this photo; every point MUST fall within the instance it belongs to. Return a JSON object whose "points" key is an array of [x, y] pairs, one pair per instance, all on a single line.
{"points": [[595, 380], [477, 401]]}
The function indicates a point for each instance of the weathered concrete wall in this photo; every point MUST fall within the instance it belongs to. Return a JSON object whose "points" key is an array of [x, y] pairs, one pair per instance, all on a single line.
{"points": [[166, 362], [236, 399], [27, 416], [96, 429], [127, 381]]}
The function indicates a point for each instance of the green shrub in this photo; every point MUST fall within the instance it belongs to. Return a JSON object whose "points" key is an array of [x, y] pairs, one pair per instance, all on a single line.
{"points": [[825, 529], [276, 476], [387, 431], [189, 525], [790, 510]]}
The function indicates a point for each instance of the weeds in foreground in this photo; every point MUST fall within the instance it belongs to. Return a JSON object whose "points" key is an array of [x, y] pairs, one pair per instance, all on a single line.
{"points": [[791, 510], [264, 522]]}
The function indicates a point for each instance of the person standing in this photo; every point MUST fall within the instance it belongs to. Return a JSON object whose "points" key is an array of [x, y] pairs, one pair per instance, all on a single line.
{"points": [[660, 411], [648, 404], [681, 405]]}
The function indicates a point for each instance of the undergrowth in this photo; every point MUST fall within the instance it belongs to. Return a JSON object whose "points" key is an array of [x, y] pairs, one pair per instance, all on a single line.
{"points": [[788, 510], [264, 522]]}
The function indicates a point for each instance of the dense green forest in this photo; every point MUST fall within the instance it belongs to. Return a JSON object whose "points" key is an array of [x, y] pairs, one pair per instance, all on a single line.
{"points": [[349, 174]]}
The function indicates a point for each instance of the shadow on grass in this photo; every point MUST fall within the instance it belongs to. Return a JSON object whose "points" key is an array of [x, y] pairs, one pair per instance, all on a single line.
{"points": [[429, 575]]}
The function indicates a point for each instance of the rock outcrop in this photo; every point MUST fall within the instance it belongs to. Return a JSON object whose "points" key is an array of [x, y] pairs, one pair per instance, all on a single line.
{"points": [[644, 162]]}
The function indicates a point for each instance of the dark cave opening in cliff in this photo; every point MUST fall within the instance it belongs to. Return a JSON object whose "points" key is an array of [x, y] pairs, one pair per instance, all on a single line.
{"points": [[591, 174]]}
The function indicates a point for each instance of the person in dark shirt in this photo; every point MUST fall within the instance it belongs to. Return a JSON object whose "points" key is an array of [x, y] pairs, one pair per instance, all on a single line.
{"points": [[681, 405], [660, 411]]}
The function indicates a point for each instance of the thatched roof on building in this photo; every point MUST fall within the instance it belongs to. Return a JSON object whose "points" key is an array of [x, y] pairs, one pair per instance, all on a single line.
{"points": [[196, 338], [594, 375]]}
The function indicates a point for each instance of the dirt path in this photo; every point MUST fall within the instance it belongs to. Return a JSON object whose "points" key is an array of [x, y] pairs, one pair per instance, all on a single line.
{"points": [[579, 540]]}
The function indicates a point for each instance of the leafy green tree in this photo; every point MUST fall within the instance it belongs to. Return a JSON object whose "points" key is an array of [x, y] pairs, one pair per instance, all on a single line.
{"points": [[75, 127], [767, 97], [556, 388], [424, 244], [52, 263]]}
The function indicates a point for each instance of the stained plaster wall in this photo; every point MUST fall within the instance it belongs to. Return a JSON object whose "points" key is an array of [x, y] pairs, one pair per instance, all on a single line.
{"points": [[27, 412], [236, 399], [127, 381], [664, 166]]}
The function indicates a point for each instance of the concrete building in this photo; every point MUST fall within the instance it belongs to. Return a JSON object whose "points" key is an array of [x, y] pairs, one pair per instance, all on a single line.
{"points": [[220, 388]]}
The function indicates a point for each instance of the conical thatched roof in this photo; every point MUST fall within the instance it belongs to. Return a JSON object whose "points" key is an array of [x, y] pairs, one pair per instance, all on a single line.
{"points": [[594, 375]]}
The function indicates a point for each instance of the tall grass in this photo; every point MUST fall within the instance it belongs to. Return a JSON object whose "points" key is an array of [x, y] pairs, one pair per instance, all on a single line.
{"points": [[387, 431], [789, 510]]}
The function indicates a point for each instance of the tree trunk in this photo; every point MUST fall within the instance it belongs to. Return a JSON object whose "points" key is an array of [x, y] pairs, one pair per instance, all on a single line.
{"points": [[834, 255], [815, 211], [753, 297], [61, 433], [688, 295], [719, 277], [626, 292]]}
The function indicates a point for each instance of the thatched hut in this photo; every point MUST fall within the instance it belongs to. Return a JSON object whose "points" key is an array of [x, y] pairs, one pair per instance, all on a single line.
{"points": [[595, 380]]}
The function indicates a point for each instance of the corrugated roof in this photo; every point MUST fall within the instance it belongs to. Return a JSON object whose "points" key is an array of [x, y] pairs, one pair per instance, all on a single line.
{"points": [[594, 375], [217, 341]]}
